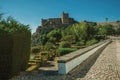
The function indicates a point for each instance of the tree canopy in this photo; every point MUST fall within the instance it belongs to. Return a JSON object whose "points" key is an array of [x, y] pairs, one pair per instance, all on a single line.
{"points": [[11, 26]]}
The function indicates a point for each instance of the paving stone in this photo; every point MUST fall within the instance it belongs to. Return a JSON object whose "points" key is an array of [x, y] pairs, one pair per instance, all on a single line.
{"points": [[107, 66]]}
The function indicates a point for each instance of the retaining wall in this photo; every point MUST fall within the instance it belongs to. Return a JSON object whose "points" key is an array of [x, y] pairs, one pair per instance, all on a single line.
{"points": [[80, 57]]}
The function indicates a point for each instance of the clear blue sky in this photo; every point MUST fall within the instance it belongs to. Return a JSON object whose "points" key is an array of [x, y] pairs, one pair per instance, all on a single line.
{"points": [[32, 11]]}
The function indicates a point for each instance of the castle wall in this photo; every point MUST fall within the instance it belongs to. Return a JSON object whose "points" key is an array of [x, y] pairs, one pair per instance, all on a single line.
{"points": [[65, 18], [53, 23]]}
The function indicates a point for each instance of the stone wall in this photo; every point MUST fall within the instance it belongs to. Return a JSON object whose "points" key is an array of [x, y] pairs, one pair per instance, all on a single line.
{"points": [[70, 61]]}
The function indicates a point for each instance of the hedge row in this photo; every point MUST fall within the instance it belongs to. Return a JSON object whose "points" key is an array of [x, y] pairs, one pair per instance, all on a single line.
{"points": [[14, 52], [15, 43], [63, 51]]}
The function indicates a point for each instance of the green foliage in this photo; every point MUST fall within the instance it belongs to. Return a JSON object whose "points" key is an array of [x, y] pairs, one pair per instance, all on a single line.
{"points": [[15, 43], [80, 43], [43, 39], [11, 26], [100, 37], [69, 38], [106, 29], [64, 44], [91, 31], [48, 46], [102, 30], [91, 42], [63, 51], [54, 36], [110, 30], [118, 31], [79, 31], [35, 49], [79, 34]]}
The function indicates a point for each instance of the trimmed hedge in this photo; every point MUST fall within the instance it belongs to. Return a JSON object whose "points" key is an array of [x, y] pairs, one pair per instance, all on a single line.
{"points": [[81, 43], [14, 51], [64, 44], [15, 43], [91, 42], [63, 51]]}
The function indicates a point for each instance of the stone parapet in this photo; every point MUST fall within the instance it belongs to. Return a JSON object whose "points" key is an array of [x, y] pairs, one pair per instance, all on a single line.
{"points": [[70, 61]]}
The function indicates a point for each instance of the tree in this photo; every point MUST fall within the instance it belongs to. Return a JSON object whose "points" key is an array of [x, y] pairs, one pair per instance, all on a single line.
{"points": [[11, 26], [92, 31], [109, 29], [79, 31], [48, 46], [43, 39], [69, 38], [54, 36], [102, 30], [118, 31], [64, 44]]}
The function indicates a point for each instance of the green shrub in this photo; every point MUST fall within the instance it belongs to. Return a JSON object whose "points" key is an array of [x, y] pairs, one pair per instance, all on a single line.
{"points": [[35, 49], [64, 44], [48, 46], [91, 42], [63, 51], [70, 38], [15, 43], [81, 43], [10, 26]]}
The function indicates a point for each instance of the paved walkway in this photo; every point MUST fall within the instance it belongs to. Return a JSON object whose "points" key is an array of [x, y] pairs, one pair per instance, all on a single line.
{"points": [[107, 66]]}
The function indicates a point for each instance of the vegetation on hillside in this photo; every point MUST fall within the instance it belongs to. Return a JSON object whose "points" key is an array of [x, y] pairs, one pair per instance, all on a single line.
{"points": [[76, 36]]}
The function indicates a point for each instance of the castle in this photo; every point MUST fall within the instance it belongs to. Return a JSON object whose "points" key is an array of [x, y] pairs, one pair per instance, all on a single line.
{"points": [[52, 23]]}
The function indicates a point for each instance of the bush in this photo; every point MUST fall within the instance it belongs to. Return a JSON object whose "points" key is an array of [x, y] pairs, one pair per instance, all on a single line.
{"points": [[70, 38], [15, 43], [35, 49], [81, 43], [48, 46], [100, 37], [64, 44], [11, 26], [91, 42], [63, 51]]}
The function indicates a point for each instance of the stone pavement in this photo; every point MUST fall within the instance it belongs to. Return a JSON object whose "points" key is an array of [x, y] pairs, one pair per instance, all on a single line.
{"points": [[107, 66], [50, 65]]}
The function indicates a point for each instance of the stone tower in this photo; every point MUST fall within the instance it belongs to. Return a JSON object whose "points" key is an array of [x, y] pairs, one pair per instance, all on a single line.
{"points": [[65, 18]]}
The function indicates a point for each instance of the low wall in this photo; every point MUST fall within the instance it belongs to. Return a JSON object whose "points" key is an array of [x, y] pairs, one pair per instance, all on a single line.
{"points": [[70, 61]]}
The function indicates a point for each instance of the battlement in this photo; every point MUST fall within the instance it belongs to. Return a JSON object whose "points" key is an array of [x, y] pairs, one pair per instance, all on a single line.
{"points": [[65, 18], [59, 21], [52, 23]]}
